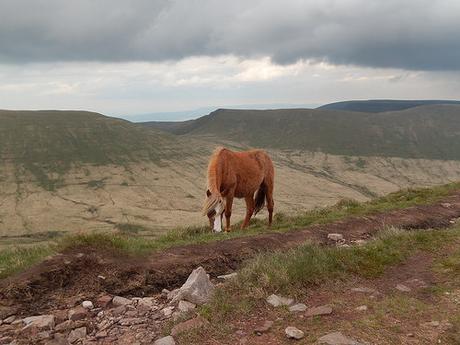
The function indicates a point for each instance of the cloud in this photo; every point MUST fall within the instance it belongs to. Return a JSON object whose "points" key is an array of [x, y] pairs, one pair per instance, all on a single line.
{"points": [[410, 34]]}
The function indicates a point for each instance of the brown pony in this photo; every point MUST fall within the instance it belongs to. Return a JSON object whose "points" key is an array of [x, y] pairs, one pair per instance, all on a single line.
{"points": [[238, 174]]}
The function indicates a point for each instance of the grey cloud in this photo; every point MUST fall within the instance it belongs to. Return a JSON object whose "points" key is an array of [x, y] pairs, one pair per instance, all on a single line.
{"points": [[407, 34]]}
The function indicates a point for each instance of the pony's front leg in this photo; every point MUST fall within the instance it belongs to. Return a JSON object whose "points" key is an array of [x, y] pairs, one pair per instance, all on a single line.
{"points": [[249, 211], [228, 211]]}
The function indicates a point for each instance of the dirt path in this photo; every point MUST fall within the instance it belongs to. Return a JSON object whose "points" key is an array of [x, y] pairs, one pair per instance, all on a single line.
{"points": [[85, 272]]}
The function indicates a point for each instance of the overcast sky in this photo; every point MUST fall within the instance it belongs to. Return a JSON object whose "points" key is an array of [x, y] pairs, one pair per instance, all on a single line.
{"points": [[148, 56]]}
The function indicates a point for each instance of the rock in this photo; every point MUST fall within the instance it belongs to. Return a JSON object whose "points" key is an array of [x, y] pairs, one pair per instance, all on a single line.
{"points": [[65, 326], [103, 301], [165, 341], [87, 305], [446, 204], [364, 290], [101, 334], [263, 328], [147, 304], [41, 322], [337, 338], [9, 319], [6, 340], [228, 276], [321, 310], [168, 311], [294, 333], [77, 313], [335, 237], [361, 308], [60, 315], [403, 288], [172, 294], [299, 307], [197, 289], [278, 301], [132, 321], [185, 306], [431, 324], [118, 310], [76, 334], [7, 311], [188, 325], [44, 335], [118, 301]]}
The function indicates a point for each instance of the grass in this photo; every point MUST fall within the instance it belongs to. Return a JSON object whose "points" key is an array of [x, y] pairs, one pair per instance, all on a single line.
{"points": [[127, 240]]}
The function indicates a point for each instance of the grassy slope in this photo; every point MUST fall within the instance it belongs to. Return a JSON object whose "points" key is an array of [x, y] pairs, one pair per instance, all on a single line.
{"points": [[47, 143], [14, 260], [421, 132]]}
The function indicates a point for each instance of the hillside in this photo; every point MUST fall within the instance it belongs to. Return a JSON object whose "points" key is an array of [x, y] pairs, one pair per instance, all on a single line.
{"points": [[382, 105], [430, 132]]}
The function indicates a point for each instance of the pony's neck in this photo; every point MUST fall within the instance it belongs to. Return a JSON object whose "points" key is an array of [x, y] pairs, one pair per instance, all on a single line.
{"points": [[215, 172]]}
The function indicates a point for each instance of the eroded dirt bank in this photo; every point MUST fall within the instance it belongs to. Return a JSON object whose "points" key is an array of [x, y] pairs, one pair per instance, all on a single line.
{"points": [[88, 272]]}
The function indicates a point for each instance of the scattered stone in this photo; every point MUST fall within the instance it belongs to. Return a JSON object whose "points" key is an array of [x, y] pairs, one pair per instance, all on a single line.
{"points": [[132, 321], [118, 301], [228, 276], [60, 315], [431, 324], [76, 334], [101, 277], [263, 328], [321, 310], [87, 305], [165, 292], [299, 307], [417, 283], [9, 319], [65, 326], [7, 311], [44, 335], [103, 301], [185, 306], [403, 288], [77, 313], [359, 242], [277, 301], [364, 290], [167, 312], [101, 334], [165, 341], [337, 338], [118, 310], [41, 322], [294, 333], [361, 308], [335, 237], [172, 294], [446, 204], [197, 289], [79, 255], [188, 325]]}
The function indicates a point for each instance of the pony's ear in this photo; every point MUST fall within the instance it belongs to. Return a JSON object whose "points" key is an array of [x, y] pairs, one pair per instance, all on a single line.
{"points": [[208, 193]]}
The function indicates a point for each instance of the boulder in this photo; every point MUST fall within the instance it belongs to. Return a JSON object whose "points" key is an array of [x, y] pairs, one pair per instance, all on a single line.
{"points": [[197, 289], [337, 338], [278, 301], [294, 333], [165, 341]]}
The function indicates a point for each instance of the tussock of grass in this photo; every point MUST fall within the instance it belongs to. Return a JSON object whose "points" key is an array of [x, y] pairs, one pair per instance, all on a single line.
{"points": [[17, 259], [292, 272]]}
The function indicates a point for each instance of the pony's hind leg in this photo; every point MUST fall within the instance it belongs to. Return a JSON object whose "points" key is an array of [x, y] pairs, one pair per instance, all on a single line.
{"points": [[250, 204], [270, 202]]}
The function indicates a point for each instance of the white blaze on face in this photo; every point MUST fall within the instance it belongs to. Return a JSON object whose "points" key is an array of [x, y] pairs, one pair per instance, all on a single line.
{"points": [[218, 219]]}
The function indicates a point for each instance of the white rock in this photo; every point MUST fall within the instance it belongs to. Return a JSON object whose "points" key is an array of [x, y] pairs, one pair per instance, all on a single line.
{"points": [[299, 307], [294, 333], [278, 301], [118, 301], [228, 276], [403, 288], [168, 311], [361, 308], [364, 290], [197, 289], [337, 338], [9, 319], [335, 237], [40, 321], [185, 306], [87, 305], [165, 341]]}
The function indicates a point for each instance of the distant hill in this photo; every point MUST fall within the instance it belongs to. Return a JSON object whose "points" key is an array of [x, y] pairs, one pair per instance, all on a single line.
{"points": [[51, 141], [382, 105], [431, 131]]}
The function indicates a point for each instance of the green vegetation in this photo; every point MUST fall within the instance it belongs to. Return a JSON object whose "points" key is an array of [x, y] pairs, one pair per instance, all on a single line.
{"points": [[129, 239], [17, 259], [430, 131]]}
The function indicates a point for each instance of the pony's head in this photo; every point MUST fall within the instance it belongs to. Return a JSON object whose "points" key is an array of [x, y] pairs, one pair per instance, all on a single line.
{"points": [[214, 207]]}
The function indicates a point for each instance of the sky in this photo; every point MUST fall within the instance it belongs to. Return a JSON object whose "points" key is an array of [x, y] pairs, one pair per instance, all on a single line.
{"points": [[128, 58]]}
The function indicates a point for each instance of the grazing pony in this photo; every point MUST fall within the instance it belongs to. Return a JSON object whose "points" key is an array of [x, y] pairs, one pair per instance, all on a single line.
{"points": [[238, 175]]}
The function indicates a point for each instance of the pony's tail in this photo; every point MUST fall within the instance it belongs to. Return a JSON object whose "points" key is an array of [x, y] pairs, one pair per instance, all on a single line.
{"points": [[260, 198]]}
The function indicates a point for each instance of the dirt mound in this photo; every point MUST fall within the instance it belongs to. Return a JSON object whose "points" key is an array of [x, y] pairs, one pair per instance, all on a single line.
{"points": [[87, 272]]}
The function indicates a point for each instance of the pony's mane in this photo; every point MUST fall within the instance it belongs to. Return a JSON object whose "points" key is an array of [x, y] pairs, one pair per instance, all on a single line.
{"points": [[213, 175]]}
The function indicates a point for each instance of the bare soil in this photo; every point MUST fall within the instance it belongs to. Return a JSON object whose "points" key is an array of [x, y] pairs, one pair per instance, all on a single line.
{"points": [[90, 272]]}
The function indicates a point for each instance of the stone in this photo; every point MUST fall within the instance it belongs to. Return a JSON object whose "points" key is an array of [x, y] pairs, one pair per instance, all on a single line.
{"points": [[172, 294], [60, 315], [132, 321], [335, 237], [101, 334], [118, 301], [446, 204], [147, 304], [321, 310], [431, 324], [188, 325], [361, 308], [278, 301], [263, 328], [87, 305], [104, 301], [9, 319], [77, 313], [44, 335], [185, 306], [364, 290], [7, 311], [168, 311], [41, 322], [6, 340], [403, 288], [64, 326], [299, 307], [76, 334], [228, 276], [197, 289], [337, 338], [165, 341], [294, 333]]}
